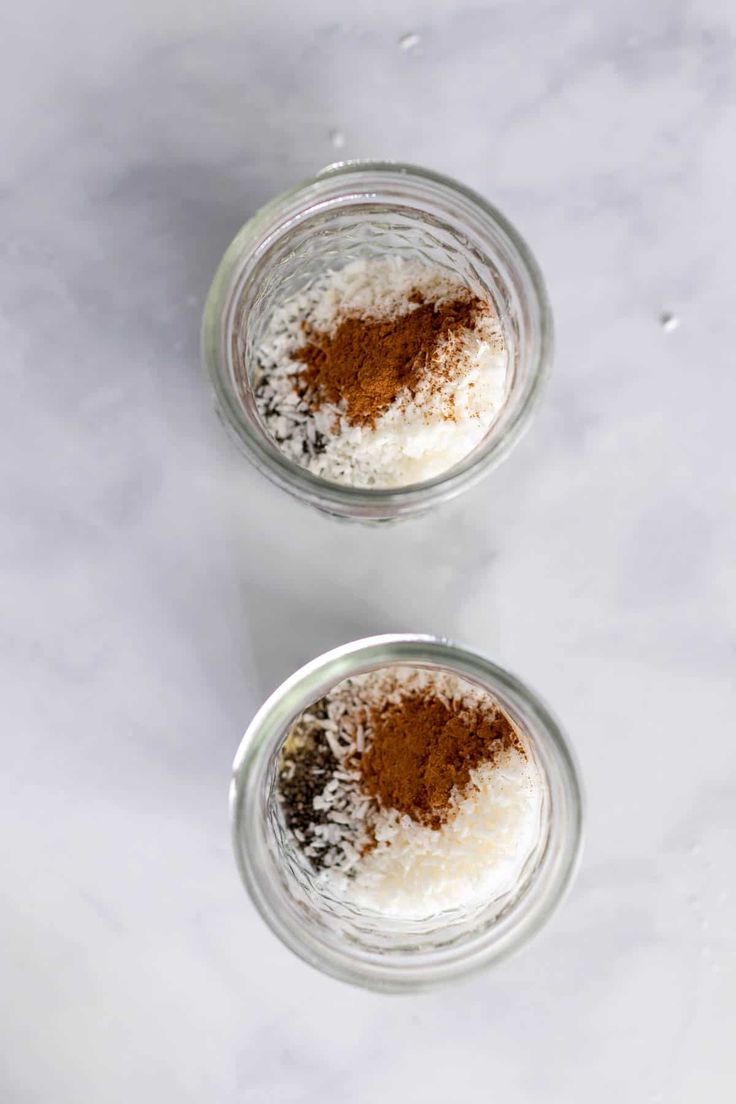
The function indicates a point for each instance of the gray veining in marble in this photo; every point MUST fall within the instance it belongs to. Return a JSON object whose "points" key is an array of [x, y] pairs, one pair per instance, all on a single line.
{"points": [[154, 588]]}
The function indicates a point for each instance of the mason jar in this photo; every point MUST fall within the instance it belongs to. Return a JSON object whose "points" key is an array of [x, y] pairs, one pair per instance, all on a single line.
{"points": [[364, 209], [361, 946]]}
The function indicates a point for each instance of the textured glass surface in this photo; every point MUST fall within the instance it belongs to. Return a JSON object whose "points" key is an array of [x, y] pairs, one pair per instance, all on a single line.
{"points": [[363, 947], [363, 210]]}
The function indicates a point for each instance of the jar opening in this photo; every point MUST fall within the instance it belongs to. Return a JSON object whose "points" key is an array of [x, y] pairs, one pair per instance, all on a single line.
{"points": [[362, 945], [367, 212]]}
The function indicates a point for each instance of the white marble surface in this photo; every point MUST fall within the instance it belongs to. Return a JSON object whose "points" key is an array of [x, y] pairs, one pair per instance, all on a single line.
{"points": [[154, 588]]}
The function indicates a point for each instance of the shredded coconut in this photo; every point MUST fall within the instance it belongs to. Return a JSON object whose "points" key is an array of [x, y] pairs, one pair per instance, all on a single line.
{"points": [[378, 859], [477, 856], [413, 440]]}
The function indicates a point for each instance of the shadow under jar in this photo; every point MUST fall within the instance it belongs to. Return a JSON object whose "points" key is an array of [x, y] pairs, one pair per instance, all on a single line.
{"points": [[362, 945], [366, 210]]}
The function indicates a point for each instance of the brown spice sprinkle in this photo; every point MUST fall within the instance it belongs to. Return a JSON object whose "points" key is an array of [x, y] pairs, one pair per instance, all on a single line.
{"points": [[423, 747], [366, 363]]}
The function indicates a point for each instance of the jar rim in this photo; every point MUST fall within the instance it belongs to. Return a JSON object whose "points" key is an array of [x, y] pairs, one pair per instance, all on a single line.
{"points": [[515, 925], [253, 241]]}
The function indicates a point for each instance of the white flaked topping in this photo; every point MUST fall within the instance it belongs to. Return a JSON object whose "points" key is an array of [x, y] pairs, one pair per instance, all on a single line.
{"points": [[476, 857], [414, 439], [381, 860]]}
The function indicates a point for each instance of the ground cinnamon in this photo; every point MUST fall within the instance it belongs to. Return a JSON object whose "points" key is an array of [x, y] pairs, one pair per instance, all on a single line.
{"points": [[423, 746], [366, 363]]}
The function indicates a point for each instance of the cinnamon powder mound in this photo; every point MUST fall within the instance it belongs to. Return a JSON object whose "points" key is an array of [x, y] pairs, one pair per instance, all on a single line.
{"points": [[366, 363], [423, 746]]}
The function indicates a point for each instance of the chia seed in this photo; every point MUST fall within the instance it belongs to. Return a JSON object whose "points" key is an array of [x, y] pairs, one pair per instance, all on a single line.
{"points": [[304, 772]]}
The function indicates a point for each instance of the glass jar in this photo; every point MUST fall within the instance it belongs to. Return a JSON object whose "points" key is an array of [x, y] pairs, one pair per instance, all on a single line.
{"points": [[361, 209], [361, 947]]}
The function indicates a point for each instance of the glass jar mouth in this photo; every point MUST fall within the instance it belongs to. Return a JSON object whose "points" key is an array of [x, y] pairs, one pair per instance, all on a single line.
{"points": [[402, 968], [344, 185]]}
